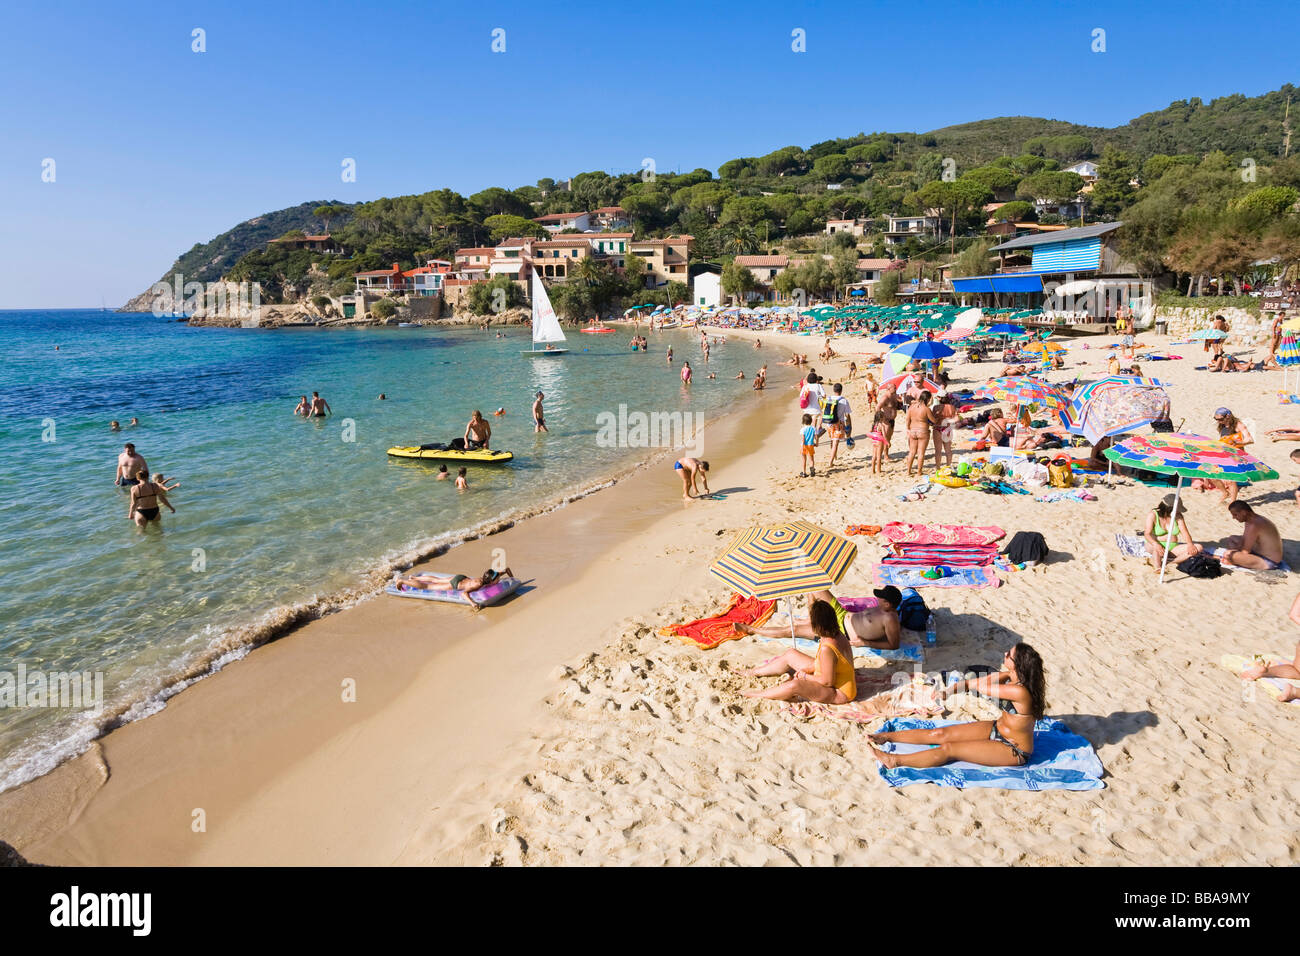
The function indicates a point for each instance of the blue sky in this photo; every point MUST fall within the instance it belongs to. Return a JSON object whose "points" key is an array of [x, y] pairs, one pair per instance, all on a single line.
{"points": [[157, 147]]}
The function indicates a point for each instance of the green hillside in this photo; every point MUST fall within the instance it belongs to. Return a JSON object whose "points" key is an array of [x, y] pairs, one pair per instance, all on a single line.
{"points": [[1195, 150]]}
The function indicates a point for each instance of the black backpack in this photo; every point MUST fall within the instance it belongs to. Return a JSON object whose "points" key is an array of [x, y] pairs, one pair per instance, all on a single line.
{"points": [[912, 612]]}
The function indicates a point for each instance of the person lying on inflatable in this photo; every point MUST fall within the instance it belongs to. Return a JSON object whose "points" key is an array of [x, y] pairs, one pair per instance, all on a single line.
{"points": [[428, 581]]}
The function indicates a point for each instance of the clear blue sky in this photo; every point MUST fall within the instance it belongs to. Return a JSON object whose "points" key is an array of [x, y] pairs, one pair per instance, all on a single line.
{"points": [[157, 147]]}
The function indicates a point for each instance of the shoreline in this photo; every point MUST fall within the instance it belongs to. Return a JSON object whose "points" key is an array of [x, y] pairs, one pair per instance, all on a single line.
{"points": [[234, 642], [44, 813]]}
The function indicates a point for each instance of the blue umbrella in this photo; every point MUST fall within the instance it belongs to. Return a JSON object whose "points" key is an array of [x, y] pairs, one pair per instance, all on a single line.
{"points": [[857, 292], [1003, 328], [924, 351], [894, 338]]}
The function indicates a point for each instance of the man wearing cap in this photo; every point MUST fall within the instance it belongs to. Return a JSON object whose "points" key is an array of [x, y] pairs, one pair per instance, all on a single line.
{"points": [[876, 627]]}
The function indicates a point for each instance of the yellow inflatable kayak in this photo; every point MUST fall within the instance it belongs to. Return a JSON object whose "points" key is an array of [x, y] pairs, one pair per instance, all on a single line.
{"points": [[481, 456]]}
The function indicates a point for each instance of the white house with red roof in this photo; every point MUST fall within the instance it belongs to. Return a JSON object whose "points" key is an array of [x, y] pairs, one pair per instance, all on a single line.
{"points": [[381, 280]]}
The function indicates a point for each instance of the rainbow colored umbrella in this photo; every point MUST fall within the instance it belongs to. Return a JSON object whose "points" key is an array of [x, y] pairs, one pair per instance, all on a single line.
{"points": [[1024, 390], [1288, 353], [783, 560], [1187, 456]]}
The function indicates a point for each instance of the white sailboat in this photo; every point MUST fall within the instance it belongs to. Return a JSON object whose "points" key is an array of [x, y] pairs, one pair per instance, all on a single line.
{"points": [[546, 327]]}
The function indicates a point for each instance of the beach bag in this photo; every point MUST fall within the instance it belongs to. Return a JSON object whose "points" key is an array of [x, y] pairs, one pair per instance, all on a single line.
{"points": [[1026, 546], [912, 612], [803, 398], [1201, 566], [1060, 474], [830, 409]]}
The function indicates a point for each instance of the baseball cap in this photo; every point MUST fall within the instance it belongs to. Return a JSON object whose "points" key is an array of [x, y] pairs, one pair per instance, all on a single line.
{"points": [[889, 593]]}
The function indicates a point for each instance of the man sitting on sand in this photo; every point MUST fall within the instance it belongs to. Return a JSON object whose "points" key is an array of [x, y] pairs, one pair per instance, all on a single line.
{"points": [[1258, 548], [875, 627]]}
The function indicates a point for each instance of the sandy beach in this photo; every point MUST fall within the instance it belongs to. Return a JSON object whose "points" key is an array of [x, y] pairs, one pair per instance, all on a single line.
{"points": [[559, 728]]}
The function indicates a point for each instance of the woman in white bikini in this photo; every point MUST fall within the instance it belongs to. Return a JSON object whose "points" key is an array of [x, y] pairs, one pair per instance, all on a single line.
{"points": [[946, 413]]}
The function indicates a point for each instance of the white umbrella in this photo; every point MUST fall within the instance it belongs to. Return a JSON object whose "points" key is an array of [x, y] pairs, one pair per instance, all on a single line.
{"points": [[1077, 287]]}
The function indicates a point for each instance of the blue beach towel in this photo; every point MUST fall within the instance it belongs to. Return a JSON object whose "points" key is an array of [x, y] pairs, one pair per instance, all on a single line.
{"points": [[1061, 761], [904, 652]]}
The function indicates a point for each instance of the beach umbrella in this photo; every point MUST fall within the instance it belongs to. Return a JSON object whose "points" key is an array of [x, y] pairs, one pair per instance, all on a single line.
{"points": [[1004, 328], [1024, 390], [1288, 353], [1113, 407], [894, 338], [780, 561], [935, 322], [1208, 334], [1046, 349], [1187, 456], [1077, 287], [929, 384], [924, 351]]}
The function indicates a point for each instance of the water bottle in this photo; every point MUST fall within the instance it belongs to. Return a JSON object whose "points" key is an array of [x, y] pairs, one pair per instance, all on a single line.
{"points": [[931, 635]]}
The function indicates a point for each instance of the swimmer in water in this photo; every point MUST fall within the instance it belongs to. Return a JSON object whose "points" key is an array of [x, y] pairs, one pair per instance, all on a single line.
{"points": [[114, 426], [319, 407], [132, 422], [461, 482], [443, 473], [304, 407], [382, 397], [499, 412]]}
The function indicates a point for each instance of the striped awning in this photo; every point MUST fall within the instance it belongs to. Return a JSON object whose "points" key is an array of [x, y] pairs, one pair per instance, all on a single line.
{"points": [[784, 560]]}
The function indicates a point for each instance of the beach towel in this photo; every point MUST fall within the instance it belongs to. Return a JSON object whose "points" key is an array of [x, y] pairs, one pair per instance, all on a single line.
{"points": [[1061, 761], [912, 653], [867, 529], [1281, 570], [963, 556], [900, 532], [907, 577], [879, 695], [1075, 494], [1273, 686], [1288, 398], [1131, 545], [707, 633]]}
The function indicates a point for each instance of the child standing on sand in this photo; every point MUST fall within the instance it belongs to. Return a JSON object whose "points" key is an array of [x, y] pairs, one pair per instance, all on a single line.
{"points": [[808, 444]]}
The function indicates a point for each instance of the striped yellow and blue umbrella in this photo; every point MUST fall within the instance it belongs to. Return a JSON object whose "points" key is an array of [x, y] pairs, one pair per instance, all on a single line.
{"points": [[1187, 456], [784, 560]]}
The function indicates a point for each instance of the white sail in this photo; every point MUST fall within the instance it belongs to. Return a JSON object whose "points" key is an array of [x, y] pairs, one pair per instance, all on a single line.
{"points": [[546, 327]]}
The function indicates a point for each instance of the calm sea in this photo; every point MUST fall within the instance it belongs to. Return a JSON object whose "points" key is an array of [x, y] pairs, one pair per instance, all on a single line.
{"points": [[274, 512]]}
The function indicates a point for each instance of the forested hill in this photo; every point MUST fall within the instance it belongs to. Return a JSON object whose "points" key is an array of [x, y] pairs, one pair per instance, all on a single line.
{"points": [[209, 261], [753, 202]]}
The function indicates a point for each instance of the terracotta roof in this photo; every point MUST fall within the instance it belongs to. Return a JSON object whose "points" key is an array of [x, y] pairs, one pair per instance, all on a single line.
{"points": [[558, 216], [563, 241], [476, 251], [380, 272], [875, 263], [608, 235], [762, 260], [608, 209], [324, 238]]}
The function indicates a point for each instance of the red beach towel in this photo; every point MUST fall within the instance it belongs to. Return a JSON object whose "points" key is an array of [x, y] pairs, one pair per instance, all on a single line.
{"points": [[707, 633], [900, 532]]}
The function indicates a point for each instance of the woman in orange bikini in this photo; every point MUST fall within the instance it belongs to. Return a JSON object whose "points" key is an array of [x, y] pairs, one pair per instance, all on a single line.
{"points": [[826, 679]]}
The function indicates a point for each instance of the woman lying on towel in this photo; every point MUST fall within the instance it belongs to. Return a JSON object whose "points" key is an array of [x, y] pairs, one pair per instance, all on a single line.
{"points": [[428, 581], [1005, 742], [827, 679]]}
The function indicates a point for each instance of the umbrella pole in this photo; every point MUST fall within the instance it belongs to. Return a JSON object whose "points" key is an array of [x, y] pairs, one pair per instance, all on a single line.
{"points": [[1173, 523], [789, 603]]}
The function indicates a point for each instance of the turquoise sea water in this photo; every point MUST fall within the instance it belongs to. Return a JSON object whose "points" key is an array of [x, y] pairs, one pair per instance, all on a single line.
{"points": [[273, 512]]}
